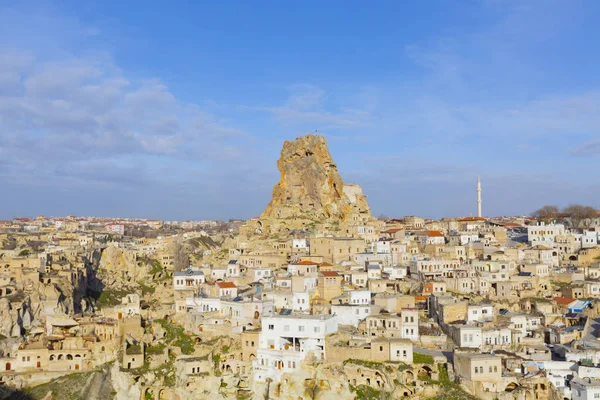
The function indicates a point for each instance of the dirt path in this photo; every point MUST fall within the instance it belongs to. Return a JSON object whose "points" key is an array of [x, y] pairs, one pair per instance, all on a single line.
{"points": [[98, 386]]}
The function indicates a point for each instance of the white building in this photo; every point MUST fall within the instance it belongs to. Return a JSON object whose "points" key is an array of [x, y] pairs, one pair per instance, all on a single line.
{"points": [[589, 239], [187, 280], [301, 301], [300, 244], [480, 312], [202, 304], [496, 336], [462, 238], [433, 268], [360, 297], [233, 269], [350, 314], [385, 259], [284, 282], [585, 389], [246, 311], [544, 234], [218, 273], [261, 273], [374, 271], [116, 228], [468, 336], [227, 289], [382, 246], [396, 272], [539, 270], [286, 340], [431, 238]]}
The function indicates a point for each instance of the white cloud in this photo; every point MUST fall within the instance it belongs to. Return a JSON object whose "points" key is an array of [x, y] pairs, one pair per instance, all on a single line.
{"points": [[591, 148], [307, 106]]}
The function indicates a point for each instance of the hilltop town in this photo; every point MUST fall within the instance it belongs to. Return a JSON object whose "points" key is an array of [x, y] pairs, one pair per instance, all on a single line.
{"points": [[314, 299]]}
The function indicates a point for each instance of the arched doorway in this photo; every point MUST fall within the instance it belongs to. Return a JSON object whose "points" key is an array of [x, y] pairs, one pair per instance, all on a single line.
{"points": [[510, 387], [529, 395], [425, 372], [409, 377], [8, 366]]}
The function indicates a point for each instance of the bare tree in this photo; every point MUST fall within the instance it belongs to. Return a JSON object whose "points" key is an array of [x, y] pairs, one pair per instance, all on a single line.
{"points": [[546, 213], [268, 389], [581, 216], [181, 259]]}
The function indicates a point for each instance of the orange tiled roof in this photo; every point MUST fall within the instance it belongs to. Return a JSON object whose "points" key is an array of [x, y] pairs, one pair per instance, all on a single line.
{"points": [[393, 230], [467, 219], [330, 273], [563, 301], [226, 285], [434, 233], [306, 262]]}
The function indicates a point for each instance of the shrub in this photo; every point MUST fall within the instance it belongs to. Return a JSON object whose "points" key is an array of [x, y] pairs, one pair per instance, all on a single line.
{"points": [[419, 358]]}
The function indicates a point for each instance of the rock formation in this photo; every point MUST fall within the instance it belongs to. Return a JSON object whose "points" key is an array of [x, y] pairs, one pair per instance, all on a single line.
{"points": [[311, 190]]}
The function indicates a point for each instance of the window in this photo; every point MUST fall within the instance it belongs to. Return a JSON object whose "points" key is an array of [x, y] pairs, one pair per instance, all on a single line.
{"points": [[286, 328], [317, 329], [380, 348], [271, 327], [301, 328]]}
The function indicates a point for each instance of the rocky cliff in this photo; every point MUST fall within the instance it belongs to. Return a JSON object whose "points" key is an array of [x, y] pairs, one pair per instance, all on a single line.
{"points": [[311, 190]]}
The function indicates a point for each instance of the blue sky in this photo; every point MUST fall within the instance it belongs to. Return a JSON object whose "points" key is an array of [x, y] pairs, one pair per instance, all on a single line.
{"points": [[179, 110]]}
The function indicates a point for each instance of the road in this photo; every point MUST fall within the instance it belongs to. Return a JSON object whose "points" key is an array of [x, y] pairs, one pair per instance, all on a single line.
{"points": [[433, 353], [591, 336]]}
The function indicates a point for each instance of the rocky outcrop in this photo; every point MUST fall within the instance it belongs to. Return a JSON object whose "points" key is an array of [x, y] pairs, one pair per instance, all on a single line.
{"points": [[310, 190], [120, 262]]}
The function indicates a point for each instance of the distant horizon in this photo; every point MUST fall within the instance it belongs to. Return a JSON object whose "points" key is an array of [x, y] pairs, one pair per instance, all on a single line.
{"points": [[241, 219], [180, 113]]}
